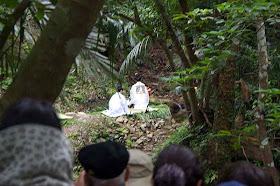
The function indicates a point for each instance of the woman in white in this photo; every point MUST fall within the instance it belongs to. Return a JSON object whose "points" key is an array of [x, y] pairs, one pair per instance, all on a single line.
{"points": [[139, 95], [117, 104]]}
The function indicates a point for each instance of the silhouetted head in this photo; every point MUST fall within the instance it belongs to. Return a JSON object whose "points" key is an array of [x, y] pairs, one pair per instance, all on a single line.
{"points": [[29, 111], [137, 77], [247, 174], [119, 88], [177, 166]]}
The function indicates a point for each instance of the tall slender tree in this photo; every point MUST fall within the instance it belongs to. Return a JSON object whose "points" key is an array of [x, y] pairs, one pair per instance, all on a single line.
{"points": [[259, 116], [187, 64]]}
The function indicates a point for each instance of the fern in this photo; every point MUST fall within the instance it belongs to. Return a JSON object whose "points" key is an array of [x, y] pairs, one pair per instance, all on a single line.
{"points": [[137, 51]]}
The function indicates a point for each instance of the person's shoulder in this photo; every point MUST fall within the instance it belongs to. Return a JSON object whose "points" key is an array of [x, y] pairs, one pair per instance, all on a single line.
{"points": [[141, 83], [122, 95], [114, 95]]}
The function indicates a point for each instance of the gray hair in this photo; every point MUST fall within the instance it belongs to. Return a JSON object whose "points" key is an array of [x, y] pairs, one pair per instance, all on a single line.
{"points": [[117, 181]]}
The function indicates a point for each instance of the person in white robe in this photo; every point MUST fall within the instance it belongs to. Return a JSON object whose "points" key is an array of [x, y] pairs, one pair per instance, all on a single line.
{"points": [[139, 96], [118, 104]]}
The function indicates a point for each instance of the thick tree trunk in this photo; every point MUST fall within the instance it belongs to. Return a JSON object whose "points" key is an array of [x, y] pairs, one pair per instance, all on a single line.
{"points": [[192, 97], [224, 115], [259, 116], [43, 74], [9, 26]]}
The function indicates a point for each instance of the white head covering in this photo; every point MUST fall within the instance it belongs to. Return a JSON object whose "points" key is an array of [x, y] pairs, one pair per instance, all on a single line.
{"points": [[33, 154]]}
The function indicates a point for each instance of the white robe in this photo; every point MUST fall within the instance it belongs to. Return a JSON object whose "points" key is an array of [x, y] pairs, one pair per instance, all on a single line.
{"points": [[139, 96], [118, 105]]}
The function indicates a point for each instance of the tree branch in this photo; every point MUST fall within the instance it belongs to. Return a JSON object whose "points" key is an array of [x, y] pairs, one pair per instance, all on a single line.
{"points": [[127, 18], [19, 11]]}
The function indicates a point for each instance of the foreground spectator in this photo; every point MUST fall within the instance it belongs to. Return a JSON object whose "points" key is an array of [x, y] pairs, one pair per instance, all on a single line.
{"points": [[247, 174], [105, 164], [140, 168], [177, 166], [33, 150], [231, 183]]}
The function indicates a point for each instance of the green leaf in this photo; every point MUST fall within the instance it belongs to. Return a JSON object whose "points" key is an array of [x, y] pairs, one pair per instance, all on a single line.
{"points": [[215, 33], [265, 141], [274, 115], [1, 26], [40, 14], [233, 29], [250, 128], [235, 41], [180, 16], [236, 146]]}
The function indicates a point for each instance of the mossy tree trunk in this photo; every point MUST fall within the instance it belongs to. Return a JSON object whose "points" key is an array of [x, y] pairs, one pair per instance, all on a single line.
{"points": [[224, 115], [43, 73], [259, 116]]}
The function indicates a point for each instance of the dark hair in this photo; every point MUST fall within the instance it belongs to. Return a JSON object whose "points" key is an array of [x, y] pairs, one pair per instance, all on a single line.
{"points": [[119, 88], [248, 174], [137, 77], [180, 161], [30, 111], [170, 174]]}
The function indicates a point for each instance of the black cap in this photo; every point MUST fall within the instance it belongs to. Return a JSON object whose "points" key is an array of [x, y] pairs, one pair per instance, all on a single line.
{"points": [[119, 88], [104, 160]]}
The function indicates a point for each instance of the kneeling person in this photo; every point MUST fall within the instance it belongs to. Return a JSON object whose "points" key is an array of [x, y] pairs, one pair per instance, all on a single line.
{"points": [[117, 104], [139, 95]]}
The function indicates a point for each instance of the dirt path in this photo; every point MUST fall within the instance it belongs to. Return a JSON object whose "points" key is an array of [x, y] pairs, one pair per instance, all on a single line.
{"points": [[132, 131]]}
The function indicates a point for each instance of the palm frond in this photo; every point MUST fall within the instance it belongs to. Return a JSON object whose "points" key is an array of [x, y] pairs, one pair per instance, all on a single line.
{"points": [[135, 53]]}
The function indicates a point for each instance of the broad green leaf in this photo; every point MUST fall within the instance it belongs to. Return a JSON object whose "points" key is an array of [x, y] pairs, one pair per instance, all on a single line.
{"points": [[40, 14]]}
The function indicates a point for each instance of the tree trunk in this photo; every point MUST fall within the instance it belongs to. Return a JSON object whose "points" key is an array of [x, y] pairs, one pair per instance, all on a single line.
{"points": [[188, 38], [224, 115], [207, 94], [136, 20], [43, 74], [175, 40], [193, 100], [9, 26], [167, 53], [259, 116], [202, 90]]}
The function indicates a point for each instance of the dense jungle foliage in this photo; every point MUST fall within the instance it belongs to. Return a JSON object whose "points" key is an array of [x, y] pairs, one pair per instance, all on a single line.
{"points": [[218, 60]]}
